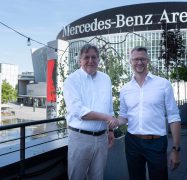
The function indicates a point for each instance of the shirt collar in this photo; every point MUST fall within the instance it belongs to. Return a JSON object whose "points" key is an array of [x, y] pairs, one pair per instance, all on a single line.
{"points": [[85, 74], [149, 76]]}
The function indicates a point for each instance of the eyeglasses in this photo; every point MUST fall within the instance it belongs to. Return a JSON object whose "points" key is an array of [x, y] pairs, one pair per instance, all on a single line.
{"points": [[87, 58], [139, 59]]}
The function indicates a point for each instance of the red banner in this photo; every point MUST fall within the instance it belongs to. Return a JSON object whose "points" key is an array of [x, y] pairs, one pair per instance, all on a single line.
{"points": [[51, 80]]}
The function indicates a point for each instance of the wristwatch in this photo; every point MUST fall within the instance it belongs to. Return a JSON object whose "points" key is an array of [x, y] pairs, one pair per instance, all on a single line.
{"points": [[175, 148], [111, 130]]}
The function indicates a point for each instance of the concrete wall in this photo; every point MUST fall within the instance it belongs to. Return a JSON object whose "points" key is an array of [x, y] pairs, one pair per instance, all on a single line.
{"points": [[22, 87], [36, 89], [39, 60]]}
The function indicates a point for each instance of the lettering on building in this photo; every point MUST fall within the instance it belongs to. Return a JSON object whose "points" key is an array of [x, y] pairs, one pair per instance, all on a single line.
{"points": [[122, 21]]}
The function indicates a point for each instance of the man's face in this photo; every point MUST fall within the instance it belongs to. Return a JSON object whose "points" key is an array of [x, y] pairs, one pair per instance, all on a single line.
{"points": [[139, 61], [89, 61]]}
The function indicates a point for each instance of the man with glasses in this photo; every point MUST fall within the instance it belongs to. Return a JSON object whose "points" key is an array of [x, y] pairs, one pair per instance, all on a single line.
{"points": [[88, 98], [146, 102]]}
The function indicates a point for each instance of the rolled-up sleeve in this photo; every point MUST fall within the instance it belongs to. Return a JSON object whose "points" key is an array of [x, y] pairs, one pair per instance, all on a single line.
{"points": [[123, 106], [172, 110], [111, 110]]}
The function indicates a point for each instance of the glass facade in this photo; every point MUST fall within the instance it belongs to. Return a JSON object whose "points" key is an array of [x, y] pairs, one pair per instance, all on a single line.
{"points": [[122, 43]]}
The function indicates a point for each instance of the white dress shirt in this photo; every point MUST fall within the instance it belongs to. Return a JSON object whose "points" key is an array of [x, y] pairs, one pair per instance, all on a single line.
{"points": [[83, 94], [148, 107]]}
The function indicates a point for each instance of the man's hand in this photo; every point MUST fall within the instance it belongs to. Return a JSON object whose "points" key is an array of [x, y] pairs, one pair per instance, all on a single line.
{"points": [[112, 122], [122, 120], [110, 138], [174, 160]]}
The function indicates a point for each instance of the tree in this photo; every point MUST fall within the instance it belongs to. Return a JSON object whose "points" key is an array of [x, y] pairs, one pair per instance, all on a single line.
{"points": [[182, 73], [112, 65], [8, 92], [172, 48]]}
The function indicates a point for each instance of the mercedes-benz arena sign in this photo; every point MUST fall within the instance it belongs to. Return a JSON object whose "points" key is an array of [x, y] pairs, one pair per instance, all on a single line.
{"points": [[140, 17]]}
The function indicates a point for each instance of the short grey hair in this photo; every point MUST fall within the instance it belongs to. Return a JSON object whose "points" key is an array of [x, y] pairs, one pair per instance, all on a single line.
{"points": [[85, 48], [140, 48]]}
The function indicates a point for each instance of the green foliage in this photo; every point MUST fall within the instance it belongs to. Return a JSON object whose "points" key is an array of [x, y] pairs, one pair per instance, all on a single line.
{"points": [[9, 94], [156, 71], [62, 73], [172, 50], [182, 73], [120, 131], [112, 65]]}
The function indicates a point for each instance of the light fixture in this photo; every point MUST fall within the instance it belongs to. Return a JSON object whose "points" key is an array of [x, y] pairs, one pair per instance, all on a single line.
{"points": [[28, 41]]}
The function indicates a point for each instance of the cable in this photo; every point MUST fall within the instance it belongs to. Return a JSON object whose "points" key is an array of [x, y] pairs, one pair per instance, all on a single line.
{"points": [[28, 38], [64, 51]]}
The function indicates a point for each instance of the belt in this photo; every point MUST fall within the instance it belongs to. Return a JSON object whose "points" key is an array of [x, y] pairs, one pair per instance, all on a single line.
{"points": [[98, 133], [146, 136]]}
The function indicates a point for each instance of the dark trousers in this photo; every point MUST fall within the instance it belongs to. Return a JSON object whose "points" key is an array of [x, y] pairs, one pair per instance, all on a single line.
{"points": [[152, 152]]}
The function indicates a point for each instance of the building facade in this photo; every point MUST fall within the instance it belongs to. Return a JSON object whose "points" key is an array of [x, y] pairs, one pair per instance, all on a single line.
{"points": [[32, 85], [9, 72], [39, 61], [42, 90], [124, 27]]}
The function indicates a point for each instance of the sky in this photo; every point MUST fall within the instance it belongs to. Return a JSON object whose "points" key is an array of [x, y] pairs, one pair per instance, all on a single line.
{"points": [[42, 20]]}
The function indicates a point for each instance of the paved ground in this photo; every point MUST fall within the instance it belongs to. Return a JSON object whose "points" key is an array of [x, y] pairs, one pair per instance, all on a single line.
{"points": [[181, 172], [26, 113]]}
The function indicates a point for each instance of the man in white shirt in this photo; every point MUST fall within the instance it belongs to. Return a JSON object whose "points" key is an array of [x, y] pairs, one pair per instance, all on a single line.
{"points": [[145, 104], [88, 98]]}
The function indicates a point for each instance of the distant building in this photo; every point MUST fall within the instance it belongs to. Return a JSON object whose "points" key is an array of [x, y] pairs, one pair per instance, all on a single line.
{"points": [[32, 85], [30, 91], [9, 72], [39, 61], [23, 80], [46, 62], [36, 93]]}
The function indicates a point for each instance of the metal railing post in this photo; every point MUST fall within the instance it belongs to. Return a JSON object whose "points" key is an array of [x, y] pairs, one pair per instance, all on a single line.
{"points": [[22, 151]]}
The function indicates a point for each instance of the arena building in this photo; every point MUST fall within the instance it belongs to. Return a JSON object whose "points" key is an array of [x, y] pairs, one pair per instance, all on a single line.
{"points": [[124, 27]]}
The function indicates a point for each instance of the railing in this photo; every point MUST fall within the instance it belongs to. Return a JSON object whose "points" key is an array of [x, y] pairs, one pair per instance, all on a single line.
{"points": [[181, 102], [22, 137]]}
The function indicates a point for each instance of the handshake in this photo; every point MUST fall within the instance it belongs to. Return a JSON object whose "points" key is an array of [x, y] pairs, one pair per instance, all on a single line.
{"points": [[113, 122]]}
